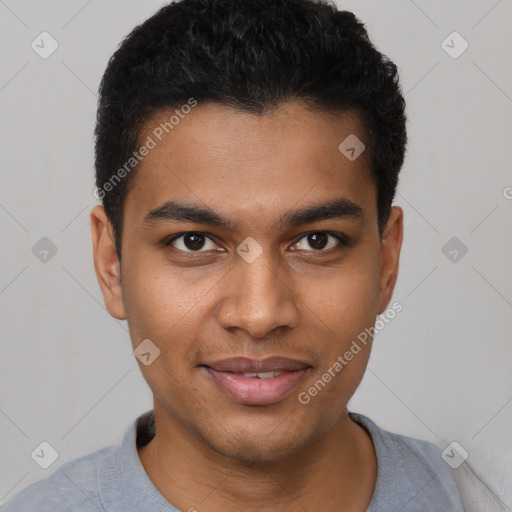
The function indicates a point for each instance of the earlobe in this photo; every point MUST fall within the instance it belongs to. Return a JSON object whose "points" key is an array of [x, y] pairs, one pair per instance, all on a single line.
{"points": [[390, 256], [106, 262]]}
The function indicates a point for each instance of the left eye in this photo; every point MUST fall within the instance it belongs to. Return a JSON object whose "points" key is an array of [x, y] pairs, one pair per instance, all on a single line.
{"points": [[319, 241]]}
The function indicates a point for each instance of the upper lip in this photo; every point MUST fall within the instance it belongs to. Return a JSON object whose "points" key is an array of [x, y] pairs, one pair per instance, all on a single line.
{"points": [[248, 365]]}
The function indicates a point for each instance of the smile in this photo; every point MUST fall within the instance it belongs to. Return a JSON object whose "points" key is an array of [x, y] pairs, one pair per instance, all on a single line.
{"points": [[254, 382]]}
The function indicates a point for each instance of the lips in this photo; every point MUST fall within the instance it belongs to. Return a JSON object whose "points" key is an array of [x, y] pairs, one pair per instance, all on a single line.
{"points": [[257, 382], [248, 365]]}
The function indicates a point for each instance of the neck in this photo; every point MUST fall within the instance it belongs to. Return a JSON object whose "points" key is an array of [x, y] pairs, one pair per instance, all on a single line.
{"points": [[340, 467]]}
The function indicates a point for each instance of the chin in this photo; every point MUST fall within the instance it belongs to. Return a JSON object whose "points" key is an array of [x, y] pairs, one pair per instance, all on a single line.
{"points": [[253, 451], [258, 443]]}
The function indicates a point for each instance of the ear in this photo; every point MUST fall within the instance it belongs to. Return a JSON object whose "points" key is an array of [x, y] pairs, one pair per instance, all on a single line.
{"points": [[390, 256], [106, 262]]}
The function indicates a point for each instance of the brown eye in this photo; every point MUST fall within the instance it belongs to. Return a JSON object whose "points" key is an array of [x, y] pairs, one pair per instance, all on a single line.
{"points": [[320, 241], [192, 242]]}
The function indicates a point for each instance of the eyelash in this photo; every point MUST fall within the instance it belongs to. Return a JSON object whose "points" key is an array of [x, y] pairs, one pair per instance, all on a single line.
{"points": [[340, 237]]}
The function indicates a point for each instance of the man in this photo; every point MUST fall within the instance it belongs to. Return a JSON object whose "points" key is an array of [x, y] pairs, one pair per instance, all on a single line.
{"points": [[247, 156]]}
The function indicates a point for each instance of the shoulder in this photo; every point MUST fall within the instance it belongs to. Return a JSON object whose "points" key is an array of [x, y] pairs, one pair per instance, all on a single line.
{"points": [[417, 453], [411, 472], [72, 487]]}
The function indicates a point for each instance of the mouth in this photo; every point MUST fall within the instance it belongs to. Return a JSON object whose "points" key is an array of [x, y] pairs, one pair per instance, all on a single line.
{"points": [[257, 382]]}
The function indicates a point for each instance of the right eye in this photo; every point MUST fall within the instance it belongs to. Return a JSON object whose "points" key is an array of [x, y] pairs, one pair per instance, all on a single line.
{"points": [[191, 241]]}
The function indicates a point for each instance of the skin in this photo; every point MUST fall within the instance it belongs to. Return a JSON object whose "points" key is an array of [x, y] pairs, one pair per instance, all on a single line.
{"points": [[295, 300]]}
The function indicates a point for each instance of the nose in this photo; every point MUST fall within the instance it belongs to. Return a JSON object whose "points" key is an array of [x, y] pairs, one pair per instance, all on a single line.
{"points": [[260, 298]]}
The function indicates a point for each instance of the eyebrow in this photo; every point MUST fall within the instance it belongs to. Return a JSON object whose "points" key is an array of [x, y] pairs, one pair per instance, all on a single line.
{"points": [[339, 208]]}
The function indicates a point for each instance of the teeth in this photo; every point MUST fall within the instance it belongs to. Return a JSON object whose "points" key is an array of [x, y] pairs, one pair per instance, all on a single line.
{"points": [[262, 375], [268, 375]]}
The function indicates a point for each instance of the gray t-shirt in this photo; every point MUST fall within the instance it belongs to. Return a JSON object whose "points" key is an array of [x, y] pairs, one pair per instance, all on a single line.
{"points": [[411, 476]]}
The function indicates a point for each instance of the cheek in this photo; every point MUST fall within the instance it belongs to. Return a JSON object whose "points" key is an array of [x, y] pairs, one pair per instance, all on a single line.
{"points": [[343, 308], [347, 312], [165, 306], [347, 299], [160, 302], [160, 309]]}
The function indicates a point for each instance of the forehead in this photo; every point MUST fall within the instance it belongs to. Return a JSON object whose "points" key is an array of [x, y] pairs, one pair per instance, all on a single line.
{"points": [[250, 165]]}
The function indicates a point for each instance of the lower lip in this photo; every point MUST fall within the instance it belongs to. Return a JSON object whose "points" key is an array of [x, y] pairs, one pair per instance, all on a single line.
{"points": [[256, 391]]}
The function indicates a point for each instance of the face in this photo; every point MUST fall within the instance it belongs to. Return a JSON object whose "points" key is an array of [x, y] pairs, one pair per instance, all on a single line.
{"points": [[251, 258]]}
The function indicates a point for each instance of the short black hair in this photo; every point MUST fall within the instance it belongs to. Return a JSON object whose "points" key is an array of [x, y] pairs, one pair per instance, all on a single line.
{"points": [[252, 55]]}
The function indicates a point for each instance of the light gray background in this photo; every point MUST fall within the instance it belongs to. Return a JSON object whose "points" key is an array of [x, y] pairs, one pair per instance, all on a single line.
{"points": [[439, 371]]}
